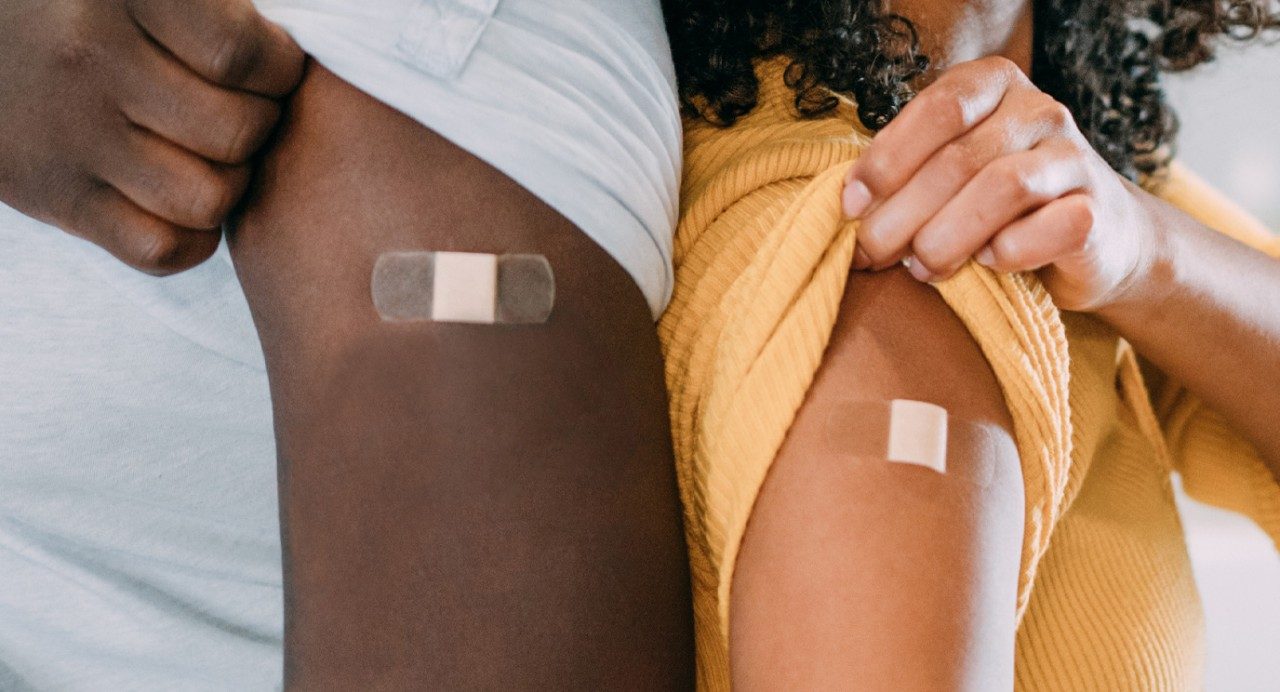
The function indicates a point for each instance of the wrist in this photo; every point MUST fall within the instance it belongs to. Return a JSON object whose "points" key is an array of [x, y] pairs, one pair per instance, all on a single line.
{"points": [[1153, 278]]}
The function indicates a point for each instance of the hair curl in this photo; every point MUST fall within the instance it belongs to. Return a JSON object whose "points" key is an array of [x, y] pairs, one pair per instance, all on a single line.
{"points": [[1103, 59]]}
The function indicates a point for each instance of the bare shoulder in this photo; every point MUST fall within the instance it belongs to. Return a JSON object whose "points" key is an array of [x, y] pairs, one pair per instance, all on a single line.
{"points": [[896, 337]]}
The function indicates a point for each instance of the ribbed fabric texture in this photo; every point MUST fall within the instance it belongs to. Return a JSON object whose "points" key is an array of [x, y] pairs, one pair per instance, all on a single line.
{"points": [[1105, 596]]}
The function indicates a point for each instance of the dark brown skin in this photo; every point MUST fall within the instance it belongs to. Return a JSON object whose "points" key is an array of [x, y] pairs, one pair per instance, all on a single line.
{"points": [[130, 123], [463, 507]]}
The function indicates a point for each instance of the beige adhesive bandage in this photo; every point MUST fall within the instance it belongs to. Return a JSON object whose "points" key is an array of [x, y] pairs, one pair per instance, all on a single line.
{"points": [[468, 287], [913, 432], [918, 434]]}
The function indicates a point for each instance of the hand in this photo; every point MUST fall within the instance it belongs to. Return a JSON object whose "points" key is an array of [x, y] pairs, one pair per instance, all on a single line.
{"points": [[130, 122], [983, 164]]}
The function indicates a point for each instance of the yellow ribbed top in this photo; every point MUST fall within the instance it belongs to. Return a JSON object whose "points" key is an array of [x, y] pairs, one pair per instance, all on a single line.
{"points": [[1105, 595]]}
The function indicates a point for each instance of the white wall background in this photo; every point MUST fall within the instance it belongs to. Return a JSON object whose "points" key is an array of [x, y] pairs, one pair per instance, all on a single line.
{"points": [[1230, 114]]}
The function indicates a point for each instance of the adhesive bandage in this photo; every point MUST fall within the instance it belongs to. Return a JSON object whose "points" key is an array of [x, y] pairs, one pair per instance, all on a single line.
{"points": [[467, 287], [918, 434], [913, 432]]}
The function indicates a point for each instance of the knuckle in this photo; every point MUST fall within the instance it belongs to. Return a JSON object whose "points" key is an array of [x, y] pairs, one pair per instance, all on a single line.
{"points": [[75, 50], [235, 50], [235, 145], [960, 159], [875, 245], [134, 102], [152, 182], [98, 228], [196, 199], [1077, 146], [160, 254], [951, 108], [931, 259], [876, 173], [242, 122], [210, 200], [1006, 252], [934, 253], [1055, 114], [1002, 66], [995, 63], [1014, 182], [240, 138], [1080, 222]]}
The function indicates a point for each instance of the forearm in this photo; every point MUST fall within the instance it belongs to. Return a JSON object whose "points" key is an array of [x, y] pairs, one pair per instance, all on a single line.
{"points": [[462, 506], [1205, 312]]}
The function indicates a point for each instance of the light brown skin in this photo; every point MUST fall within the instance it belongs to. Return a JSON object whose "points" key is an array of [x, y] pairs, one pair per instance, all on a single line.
{"points": [[463, 506], [832, 590], [857, 573], [864, 574], [982, 164]]}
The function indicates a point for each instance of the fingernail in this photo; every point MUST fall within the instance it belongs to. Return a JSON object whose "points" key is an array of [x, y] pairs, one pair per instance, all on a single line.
{"points": [[856, 199], [917, 269], [985, 257], [860, 259]]}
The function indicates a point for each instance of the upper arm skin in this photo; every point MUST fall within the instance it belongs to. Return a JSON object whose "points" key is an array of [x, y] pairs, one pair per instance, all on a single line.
{"points": [[462, 506], [858, 572]]}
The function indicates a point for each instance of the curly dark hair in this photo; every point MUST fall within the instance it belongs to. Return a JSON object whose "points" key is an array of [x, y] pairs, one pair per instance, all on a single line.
{"points": [[1103, 59]]}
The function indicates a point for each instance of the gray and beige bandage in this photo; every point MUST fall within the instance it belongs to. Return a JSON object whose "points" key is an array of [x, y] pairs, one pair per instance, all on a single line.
{"points": [[911, 432], [469, 287]]}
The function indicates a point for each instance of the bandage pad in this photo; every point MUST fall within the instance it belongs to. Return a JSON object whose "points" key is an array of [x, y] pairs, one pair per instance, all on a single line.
{"points": [[467, 287], [912, 432]]}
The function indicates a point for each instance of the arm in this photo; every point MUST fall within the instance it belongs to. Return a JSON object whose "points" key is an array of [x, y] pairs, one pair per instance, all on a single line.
{"points": [[462, 506], [984, 165], [1203, 311], [890, 575]]}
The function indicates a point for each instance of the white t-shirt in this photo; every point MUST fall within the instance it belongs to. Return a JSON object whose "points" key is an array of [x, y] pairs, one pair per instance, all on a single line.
{"points": [[139, 542]]}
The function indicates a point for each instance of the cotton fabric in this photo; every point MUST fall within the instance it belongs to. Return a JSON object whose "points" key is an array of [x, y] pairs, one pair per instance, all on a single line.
{"points": [[139, 539]]}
